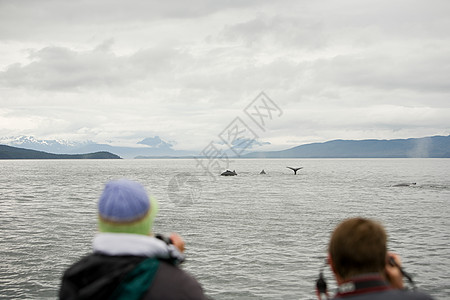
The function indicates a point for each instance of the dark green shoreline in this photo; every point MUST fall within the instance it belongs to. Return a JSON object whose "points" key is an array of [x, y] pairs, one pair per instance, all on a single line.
{"points": [[8, 152]]}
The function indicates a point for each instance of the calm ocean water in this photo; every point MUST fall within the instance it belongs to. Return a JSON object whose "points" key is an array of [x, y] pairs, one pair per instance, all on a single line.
{"points": [[248, 237]]}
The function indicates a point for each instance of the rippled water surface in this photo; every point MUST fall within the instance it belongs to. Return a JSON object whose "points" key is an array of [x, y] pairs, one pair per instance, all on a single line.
{"points": [[248, 237]]}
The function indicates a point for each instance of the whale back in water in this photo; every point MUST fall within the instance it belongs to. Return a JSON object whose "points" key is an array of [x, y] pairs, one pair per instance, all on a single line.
{"points": [[229, 173], [404, 184]]}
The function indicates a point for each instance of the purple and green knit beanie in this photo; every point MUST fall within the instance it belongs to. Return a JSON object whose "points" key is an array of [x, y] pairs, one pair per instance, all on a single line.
{"points": [[125, 207]]}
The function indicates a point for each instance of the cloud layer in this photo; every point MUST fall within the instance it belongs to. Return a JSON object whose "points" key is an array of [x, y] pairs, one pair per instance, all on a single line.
{"points": [[110, 71]]}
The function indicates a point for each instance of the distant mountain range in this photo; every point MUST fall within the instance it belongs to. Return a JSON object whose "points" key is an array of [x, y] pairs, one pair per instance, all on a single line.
{"points": [[149, 147], [155, 147], [8, 152], [435, 146]]}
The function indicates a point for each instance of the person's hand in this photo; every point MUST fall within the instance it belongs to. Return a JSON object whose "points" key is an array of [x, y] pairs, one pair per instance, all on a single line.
{"points": [[177, 241], [392, 271]]}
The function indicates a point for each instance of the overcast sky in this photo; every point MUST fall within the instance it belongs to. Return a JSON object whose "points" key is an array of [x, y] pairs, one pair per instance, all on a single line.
{"points": [[121, 71]]}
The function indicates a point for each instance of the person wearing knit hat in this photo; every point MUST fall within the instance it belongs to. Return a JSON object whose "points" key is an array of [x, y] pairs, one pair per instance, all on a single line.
{"points": [[128, 262], [125, 207]]}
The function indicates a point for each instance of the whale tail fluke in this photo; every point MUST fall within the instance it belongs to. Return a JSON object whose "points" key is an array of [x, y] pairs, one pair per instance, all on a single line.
{"points": [[295, 169]]}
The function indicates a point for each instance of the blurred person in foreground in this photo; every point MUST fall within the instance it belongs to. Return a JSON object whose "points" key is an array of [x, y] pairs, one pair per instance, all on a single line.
{"points": [[127, 261], [363, 269]]}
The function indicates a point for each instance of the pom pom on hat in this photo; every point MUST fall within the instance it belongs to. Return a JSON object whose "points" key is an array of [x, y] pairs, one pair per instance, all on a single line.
{"points": [[125, 207]]}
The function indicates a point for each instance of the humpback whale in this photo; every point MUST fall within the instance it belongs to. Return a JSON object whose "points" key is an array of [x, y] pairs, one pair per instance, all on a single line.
{"points": [[295, 169], [405, 184], [229, 173], [262, 172]]}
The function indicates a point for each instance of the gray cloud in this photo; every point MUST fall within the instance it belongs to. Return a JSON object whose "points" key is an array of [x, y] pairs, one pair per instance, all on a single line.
{"points": [[412, 71], [273, 31], [34, 19], [60, 68], [107, 70]]}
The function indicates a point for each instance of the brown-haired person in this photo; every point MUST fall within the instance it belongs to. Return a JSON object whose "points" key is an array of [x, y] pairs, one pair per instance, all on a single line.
{"points": [[363, 268]]}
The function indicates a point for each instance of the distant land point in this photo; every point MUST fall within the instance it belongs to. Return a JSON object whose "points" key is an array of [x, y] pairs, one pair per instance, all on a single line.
{"points": [[8, 152]]}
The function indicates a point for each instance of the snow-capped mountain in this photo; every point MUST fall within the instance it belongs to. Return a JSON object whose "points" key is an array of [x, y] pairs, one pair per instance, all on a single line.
{"points": [[51, 146], [154, 147]]}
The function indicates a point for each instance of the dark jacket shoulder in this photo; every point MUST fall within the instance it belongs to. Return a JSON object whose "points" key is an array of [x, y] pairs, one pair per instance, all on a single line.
{"points": [[391, 295], [171, 282], [98, 276]]}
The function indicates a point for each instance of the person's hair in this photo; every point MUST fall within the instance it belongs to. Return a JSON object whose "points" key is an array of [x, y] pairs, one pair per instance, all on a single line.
{"points": [[358, 246]]}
